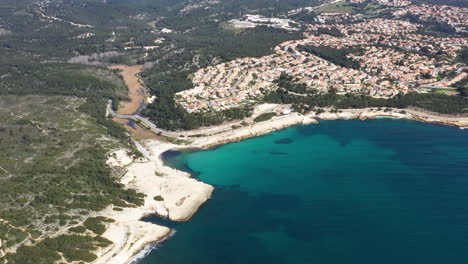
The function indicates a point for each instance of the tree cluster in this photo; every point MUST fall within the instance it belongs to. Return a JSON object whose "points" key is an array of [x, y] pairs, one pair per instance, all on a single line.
{"points": [[432, 102], [334, 55]]}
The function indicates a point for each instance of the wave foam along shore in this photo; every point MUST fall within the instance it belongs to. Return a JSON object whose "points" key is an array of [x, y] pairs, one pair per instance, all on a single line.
{"points": [[145, 252]]}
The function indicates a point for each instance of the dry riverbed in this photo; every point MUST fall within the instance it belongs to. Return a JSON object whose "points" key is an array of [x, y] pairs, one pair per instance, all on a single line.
{"points": [[136, 90]]}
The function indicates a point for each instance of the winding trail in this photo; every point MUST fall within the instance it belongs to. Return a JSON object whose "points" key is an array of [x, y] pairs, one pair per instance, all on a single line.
{"points": [[4, 170]]}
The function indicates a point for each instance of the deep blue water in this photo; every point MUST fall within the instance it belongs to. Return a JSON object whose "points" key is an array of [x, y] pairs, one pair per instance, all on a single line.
{"points": [[364, 192]]}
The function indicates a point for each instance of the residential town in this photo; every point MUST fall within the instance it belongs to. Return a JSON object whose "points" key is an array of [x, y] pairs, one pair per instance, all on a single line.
{"points": [[393, 57], [455, 17], [385, 2]]}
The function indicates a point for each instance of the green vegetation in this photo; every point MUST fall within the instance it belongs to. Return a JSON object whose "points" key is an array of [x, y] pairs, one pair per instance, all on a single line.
{"points": [[433, 102], [53, 141], [342, 7], [53, 170], [96, 107], [330, 31], [170, 116], [462, 86], [336, 56], [26, 66], [460, 3], [209, 44], [159, 174], [54, 87], [286, 81], [443, 91], [26, 77], [432, 27], [158, 198], [11, 236], [368, 9], [71, 247], [264, 117], [96, 224], [463, 55], [305, 16], [78, 229]]}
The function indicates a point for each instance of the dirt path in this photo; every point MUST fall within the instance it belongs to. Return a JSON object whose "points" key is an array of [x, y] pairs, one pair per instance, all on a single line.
{"points": [[135, 88]]}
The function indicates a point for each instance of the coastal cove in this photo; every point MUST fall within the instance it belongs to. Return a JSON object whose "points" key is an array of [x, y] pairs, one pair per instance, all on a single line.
{"points": [[233, 131], [175, 195], [344, 190]]}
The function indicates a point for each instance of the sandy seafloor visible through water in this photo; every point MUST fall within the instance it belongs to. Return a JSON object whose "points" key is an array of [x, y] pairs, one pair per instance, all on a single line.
{"points": [[365, 192]]}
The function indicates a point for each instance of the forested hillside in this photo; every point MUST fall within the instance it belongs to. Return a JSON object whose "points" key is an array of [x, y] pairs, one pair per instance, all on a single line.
{"points": [[53, 175], [54, 85]]}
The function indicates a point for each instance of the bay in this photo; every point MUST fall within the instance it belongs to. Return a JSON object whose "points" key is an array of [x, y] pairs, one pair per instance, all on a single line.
{"points": [[376, 191]]}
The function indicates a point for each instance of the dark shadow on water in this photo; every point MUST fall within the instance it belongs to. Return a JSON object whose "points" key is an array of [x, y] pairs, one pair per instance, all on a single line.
{"points": [[338, 224], [140, 107], [284, 141], [131, 123], [170, 154], [392, 134], [159, 220], [224, 225], [278, 153], [176, 159]]}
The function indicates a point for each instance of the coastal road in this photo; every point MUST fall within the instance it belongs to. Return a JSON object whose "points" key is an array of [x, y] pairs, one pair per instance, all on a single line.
{"points": [[137, 118], [206, 131]]}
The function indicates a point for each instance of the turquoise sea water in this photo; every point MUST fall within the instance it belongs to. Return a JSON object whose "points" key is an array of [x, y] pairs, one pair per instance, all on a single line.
{"points": [[364, 192]]}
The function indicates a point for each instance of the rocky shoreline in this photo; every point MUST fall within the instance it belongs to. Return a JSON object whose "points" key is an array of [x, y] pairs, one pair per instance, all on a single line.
{"points": [[169, 193], [180, 196], [281, 122]]}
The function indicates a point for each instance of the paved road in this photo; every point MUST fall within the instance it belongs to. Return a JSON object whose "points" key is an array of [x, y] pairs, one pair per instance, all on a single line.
{"points": [[141, 119], [146, 122]]}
